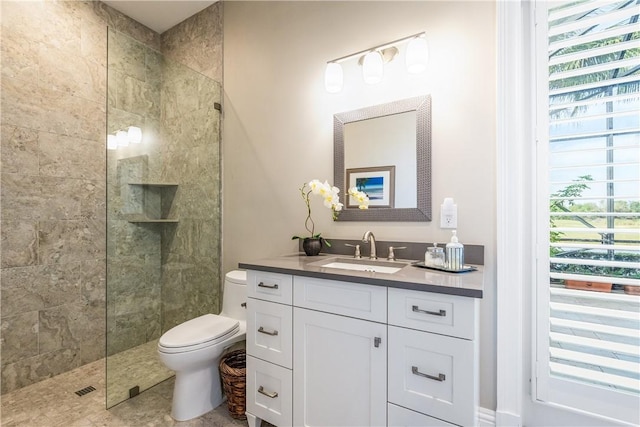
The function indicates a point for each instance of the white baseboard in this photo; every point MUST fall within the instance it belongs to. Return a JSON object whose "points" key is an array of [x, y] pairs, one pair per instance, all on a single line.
{"points": [[486, 417]]}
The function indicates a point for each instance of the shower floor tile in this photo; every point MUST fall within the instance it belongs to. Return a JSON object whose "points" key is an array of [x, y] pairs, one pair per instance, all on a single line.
{"points": [[53, 402], [139, 366]]}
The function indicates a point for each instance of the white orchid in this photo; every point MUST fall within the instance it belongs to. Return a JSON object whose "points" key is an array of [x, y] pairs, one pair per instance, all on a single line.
{"points": [[331, 199], [315, 186]]}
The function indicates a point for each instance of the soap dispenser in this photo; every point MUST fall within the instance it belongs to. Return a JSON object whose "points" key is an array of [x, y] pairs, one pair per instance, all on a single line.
{"points": [[455, 253]]}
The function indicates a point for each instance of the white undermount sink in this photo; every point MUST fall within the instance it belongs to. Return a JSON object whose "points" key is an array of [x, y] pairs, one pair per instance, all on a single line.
{"points": [[354, 264]]}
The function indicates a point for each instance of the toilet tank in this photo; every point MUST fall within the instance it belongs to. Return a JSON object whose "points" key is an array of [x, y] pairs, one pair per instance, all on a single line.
{"points": [[235, 295]]}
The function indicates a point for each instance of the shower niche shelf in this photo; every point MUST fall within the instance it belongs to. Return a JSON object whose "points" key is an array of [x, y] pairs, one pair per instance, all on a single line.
{"points": [[152, 221], [154, 184], [150, 202]]}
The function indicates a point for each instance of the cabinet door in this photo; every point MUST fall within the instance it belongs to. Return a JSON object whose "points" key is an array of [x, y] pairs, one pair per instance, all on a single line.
{"points": [[269, 392], [433, 374], [269, 331], [339, 367]]}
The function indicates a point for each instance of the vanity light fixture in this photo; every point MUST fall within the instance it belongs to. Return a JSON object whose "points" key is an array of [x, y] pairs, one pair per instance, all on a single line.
{"points": [[373, 67], [373, 60], [333, 77], [417, 55]]}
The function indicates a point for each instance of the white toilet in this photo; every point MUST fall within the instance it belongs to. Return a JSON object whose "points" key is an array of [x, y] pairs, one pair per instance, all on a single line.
{"points": [[193, 349]]}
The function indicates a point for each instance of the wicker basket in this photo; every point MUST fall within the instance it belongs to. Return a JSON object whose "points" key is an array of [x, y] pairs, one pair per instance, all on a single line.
{"points": [[234, 380]]}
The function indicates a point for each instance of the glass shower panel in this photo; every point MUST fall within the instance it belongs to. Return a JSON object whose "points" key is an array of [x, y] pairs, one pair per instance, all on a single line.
{"points": [[163, 208]]}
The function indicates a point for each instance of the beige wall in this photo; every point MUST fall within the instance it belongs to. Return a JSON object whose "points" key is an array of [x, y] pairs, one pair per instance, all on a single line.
{"points": [[278, 123]]}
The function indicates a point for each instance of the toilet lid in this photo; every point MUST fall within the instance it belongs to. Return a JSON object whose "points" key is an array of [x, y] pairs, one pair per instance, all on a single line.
{"points": [[208, 327]]}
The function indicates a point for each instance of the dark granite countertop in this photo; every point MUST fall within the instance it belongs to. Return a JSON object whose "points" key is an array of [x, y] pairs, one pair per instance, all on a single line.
{"points": [[468, 284]]}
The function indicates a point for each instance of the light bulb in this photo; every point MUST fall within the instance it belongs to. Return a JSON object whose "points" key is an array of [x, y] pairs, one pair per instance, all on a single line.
{"points": [[112, 142], [123, 138], [417, 55], [134, 135], [373, 67], [333, 77]]}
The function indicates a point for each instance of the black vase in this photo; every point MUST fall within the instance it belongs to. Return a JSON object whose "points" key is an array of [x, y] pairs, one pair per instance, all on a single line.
{"points": [[312, 245]]}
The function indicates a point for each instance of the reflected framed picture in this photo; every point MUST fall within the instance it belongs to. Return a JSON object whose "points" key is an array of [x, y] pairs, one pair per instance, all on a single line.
{"points": [[378, 183]]}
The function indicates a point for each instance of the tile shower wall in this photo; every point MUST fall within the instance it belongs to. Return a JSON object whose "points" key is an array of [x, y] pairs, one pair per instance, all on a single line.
{"points": [[197, 42], [133, 250], [191, 158], [160, 275], [191, 251], [52, 259]]}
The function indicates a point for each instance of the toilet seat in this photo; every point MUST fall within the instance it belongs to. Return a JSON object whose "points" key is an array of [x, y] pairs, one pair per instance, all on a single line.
{"points": [[238, 277], [203, 331]]}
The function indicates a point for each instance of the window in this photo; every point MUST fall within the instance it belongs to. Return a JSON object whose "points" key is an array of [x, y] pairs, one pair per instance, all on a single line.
{"points": [[588, 271]]}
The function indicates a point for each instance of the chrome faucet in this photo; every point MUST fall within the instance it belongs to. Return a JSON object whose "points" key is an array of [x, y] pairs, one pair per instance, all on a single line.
{"points": [[371, 239]]}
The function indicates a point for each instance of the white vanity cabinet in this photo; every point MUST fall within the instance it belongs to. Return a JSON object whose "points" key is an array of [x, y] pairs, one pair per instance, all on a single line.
{"points": [[331, 353], [340, 363], [269, 390], [433, 357]]}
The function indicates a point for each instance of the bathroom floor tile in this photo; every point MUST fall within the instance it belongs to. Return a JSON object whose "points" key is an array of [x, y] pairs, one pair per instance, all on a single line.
{"points": [[53, 402]]}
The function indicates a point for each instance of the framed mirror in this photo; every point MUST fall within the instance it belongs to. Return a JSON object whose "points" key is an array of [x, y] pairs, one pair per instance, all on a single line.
{"points": [[385, 151]]}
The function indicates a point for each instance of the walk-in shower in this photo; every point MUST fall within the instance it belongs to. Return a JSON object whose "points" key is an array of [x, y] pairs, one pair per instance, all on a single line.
{"points": [[163, 207]]}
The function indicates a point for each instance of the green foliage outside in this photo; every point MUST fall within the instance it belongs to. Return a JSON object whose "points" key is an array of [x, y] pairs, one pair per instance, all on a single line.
{"points": [[567, 204], [568, 194], [564, 201]]}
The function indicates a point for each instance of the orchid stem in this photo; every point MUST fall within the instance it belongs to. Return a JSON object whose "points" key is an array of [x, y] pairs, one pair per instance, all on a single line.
{"points": [[307, 201]]}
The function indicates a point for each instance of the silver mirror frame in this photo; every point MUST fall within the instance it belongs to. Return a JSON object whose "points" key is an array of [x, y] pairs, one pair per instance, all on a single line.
{"points": [[422, 106]]}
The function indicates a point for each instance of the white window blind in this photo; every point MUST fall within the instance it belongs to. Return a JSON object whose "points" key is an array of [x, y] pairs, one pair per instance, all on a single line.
{"points": [[588, 304]]}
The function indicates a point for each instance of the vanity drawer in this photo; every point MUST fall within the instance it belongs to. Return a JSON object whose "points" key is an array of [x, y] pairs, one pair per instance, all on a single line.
{"points": [[440, 313], [274, 287], [403, 417], [367, 302], [269, 331], [433, 374], [269, 392]]}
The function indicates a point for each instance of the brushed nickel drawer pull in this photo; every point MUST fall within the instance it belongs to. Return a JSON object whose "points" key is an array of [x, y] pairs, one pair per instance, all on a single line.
{"points": [[433, 313], [264, 331], [414, 370], [262, 285], [272, 394]]}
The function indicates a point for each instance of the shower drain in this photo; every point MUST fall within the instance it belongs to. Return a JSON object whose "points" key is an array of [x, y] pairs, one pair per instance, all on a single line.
{"points": [[85, 390]]}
